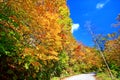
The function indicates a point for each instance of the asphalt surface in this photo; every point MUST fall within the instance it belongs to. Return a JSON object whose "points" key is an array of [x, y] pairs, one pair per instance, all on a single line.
{"points": [[82, 77]]}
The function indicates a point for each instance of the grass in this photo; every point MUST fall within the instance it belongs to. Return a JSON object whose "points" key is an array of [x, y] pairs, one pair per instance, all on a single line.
{"points": [[55, 78], [105, 76]]}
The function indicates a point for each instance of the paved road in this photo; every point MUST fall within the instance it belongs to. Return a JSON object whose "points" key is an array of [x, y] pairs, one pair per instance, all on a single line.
{"points": [[81, 77]]}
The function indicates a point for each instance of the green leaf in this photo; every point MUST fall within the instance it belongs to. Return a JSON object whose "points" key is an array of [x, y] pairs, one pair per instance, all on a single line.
{"points": [[26, 66], [12, 33], [10, 72], [15, 24], [7, 52], [2, 33]]}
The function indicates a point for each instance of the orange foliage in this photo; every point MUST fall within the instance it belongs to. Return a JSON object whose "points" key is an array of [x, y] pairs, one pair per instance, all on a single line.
{"points": [[112, 51]]}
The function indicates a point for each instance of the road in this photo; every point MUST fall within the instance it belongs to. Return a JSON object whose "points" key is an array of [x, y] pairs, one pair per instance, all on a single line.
{"points": [[89, 76]]}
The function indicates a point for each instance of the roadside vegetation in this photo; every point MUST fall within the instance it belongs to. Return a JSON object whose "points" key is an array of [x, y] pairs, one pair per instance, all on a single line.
{"points": [[36, 43]]}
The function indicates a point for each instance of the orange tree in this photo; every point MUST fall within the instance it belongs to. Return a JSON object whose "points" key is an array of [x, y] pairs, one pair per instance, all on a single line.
{"points": [[36, 35], [86, 59], [112, 53]]}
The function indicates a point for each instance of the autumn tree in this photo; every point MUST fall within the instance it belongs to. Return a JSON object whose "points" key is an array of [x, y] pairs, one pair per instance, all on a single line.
{"points": [[41, 30], [10, 45], [112, 50]]}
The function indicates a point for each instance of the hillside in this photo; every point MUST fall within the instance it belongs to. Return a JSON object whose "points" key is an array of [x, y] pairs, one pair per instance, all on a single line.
{"points": [[36, 42]]}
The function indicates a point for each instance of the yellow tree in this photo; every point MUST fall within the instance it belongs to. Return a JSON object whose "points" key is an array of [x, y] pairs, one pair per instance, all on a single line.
{"points": [[112, 50], [45, 29]]}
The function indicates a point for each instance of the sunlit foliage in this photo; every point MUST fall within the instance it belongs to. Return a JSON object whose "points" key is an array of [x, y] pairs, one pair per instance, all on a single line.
{"points": [[36, 42], [36, 32]]}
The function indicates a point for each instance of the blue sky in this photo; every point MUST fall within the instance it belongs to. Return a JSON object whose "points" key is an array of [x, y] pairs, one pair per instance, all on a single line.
{"points": [[100, 14]]}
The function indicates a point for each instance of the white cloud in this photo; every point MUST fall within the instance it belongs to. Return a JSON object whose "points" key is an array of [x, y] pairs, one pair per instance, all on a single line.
{"points": [[74, 27], [101, 5]]}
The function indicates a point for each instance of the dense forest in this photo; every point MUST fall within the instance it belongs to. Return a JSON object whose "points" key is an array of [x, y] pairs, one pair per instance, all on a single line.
{"points": [[36, 43]]}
